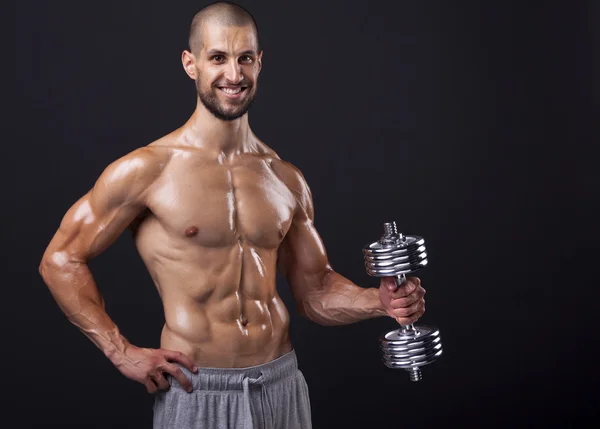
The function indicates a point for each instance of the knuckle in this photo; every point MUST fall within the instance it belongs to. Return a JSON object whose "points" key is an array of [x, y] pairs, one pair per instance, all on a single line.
{"points": [[398, 303], [403, 302], [401, 312], [401, 292]]}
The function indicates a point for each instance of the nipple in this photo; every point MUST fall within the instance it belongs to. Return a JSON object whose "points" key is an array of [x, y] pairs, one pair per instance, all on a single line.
{"points": [[191, 231]]}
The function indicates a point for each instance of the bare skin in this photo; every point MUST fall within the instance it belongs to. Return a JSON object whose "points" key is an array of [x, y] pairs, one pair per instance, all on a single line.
{"points": [[214, 213]]}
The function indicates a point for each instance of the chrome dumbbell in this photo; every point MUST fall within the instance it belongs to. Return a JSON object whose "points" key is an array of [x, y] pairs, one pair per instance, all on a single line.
{"points": [[396, 255]]}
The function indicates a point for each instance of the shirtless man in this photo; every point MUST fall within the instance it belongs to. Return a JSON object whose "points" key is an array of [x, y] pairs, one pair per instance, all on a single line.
{"points": [[214, 212]]}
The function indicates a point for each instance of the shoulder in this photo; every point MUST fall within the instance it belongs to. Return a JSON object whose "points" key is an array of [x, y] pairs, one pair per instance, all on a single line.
{"points": [[295, 181], [145, 160], [129, 176], [143, 163]]}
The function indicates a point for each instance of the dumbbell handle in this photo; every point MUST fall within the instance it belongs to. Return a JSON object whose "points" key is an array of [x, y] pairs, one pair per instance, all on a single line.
{"points": [[404, 329], [408, 330]]}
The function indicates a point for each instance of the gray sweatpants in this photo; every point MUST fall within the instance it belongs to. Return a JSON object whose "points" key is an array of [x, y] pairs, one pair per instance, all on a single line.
{"points": [[269, 396]]}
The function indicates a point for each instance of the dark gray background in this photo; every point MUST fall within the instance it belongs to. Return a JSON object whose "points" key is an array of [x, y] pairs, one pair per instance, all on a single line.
{"points": [[466, 122]]}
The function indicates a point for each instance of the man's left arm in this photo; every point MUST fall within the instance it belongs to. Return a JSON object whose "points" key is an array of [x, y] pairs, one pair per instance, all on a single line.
{"points": [[325, 296]]}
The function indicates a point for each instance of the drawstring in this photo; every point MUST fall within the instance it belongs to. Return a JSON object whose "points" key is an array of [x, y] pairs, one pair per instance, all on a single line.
{"points": [[248, 422]]}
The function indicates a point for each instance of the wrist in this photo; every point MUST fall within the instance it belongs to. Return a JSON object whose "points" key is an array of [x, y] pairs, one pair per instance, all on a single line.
{"points": [[113, 345], [372, 303], [378, 309]]}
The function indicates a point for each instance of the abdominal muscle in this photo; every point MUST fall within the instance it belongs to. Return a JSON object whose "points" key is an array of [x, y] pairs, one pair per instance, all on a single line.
{"points": [[210, 342], [221, 304]]}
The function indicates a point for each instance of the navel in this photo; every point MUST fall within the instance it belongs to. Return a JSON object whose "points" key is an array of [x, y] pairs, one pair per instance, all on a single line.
{"points": [[191, 231]]}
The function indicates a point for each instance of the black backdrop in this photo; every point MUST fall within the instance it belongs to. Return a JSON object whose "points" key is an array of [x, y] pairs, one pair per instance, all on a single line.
{"points": [[466, 122]]}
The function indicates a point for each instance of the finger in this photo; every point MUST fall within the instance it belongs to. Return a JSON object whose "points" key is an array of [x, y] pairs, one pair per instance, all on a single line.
{"points": [[404, 302], [408, 287], [412, 318], [410, 310], [160, 381], [183, 381], [150, 386], [180, 358], [411, 298], [389, 283]]}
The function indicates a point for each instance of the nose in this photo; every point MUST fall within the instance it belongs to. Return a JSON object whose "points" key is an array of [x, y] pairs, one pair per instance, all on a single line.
{"points": [[233, 73]]}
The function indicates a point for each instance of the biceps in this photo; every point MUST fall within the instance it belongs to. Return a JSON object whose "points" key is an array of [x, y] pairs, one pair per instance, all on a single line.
{"points": [[303, 257]]}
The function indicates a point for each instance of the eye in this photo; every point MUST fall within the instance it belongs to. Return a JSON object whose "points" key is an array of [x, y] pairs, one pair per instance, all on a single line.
{"points": [[217, 58], [246, 58]]}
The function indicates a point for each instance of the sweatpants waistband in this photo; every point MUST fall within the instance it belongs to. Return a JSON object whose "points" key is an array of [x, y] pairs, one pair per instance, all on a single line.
{"points": [[238, 379]]}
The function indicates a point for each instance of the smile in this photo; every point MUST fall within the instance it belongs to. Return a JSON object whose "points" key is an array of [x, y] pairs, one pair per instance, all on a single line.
{"points": [[233, 92]]}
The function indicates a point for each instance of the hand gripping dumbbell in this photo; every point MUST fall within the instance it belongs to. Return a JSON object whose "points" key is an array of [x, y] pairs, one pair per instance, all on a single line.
{"points": [[396, 255]]}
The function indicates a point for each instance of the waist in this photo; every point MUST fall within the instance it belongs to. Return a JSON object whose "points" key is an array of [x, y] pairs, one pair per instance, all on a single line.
{"points": [[232, 379], [229, 347]]}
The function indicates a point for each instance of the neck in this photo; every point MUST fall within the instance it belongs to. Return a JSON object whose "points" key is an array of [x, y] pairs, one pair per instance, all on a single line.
{"points": [[204, 130]]}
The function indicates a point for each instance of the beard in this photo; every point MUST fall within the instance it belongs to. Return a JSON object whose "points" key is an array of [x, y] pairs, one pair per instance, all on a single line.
{"points": [[209, 98]]}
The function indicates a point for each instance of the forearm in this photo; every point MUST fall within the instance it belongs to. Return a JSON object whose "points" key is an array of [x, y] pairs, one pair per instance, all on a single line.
{"points": [[338, 301], [75, 291]]}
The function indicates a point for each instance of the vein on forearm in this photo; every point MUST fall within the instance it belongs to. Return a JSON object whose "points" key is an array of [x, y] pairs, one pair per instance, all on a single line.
{"points": [[74, 289], [338, 301]]}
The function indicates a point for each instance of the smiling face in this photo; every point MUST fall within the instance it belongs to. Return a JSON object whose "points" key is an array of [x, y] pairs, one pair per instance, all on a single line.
{"points": [[225, 69]]}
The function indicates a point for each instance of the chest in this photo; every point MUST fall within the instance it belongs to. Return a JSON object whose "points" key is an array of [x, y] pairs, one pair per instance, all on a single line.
{"points": [[216, 205]]}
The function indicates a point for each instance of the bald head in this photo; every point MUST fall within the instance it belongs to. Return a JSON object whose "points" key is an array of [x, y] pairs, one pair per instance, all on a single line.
{"points": [[219, 13]]}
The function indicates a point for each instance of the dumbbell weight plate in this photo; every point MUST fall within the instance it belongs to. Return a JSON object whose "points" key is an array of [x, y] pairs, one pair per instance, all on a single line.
{"points": [[396, 258], [409, 363], [411, 242], [413, 260], [412, 349], [397, 339]]}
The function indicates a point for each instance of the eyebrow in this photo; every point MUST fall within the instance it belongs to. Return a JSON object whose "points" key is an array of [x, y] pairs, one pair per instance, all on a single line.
{"points": [[218, 52]]}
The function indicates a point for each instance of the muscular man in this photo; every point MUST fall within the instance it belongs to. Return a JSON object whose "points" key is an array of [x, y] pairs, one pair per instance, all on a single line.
{"points": [[214, 212]]}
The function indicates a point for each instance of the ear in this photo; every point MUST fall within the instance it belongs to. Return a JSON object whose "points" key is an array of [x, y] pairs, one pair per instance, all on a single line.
{"points": [[259, 60], [189, 64]]}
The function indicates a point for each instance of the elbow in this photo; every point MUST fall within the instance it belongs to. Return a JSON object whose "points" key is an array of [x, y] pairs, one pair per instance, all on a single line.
{"points": [[304, 307], [303, 310], [44, 267], [48, 271], [53, 261], [315, 310]]}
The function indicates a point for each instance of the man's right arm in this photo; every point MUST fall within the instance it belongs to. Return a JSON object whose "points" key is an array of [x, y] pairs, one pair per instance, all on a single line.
{"points": [[88, 228]]}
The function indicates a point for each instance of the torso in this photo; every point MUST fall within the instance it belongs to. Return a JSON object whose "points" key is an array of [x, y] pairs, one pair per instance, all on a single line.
{"points": [[209, 238]]}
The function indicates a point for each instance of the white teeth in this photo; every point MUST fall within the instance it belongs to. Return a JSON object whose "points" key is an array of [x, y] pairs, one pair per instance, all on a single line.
{"points": [[231, 91]]}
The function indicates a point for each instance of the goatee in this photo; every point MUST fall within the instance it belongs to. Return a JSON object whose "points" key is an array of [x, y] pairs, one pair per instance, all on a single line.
{"points": [[210, 100]]}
